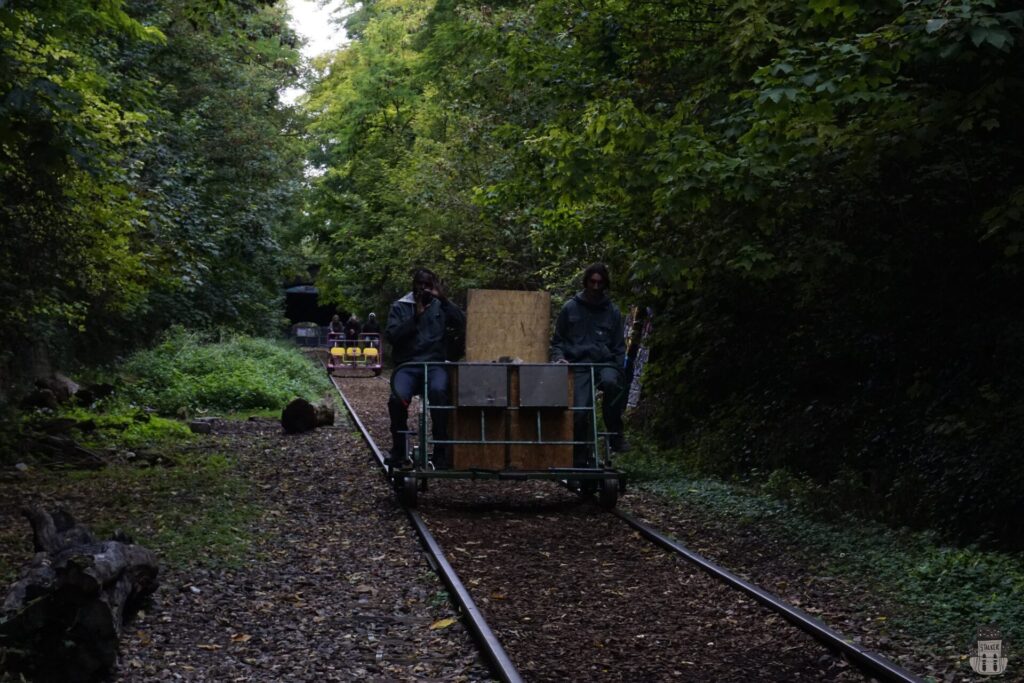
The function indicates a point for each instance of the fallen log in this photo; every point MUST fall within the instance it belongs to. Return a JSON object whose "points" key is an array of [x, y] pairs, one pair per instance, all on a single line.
{"points": [[62, 620], [302, 416], [61, 452], [324, 414], [298, 416]]}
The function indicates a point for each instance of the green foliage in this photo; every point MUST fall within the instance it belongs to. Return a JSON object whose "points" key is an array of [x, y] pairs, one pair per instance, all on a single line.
{"points": [[147, 170], [219, 183], [821, 201], [187, 373], [130, 429], [193, 512], [66, 117]]}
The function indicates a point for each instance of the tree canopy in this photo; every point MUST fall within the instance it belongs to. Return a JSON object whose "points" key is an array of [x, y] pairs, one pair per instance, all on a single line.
{"points": [[821, 201], [146, 166]]}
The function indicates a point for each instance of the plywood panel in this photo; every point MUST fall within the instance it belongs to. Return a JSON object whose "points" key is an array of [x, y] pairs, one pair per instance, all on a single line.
{"points": [[555, 425], [465, 424], [507, 323]]}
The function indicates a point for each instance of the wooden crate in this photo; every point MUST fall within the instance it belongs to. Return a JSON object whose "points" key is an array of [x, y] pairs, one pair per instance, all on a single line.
{"points": [[555, 425], [512, 424], [465, 424], [515, 324], [507, 323]]}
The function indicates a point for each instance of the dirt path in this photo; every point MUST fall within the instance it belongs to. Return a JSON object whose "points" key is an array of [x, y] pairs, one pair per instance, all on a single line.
{"points": [[335, 587]]}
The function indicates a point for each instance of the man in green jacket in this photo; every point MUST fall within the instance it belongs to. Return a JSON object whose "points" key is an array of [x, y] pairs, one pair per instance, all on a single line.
{"points": [[589, 330]]}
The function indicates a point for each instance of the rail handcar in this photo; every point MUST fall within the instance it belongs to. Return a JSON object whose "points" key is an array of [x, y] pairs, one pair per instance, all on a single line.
{"points": [[511, 421], [366, 352]]}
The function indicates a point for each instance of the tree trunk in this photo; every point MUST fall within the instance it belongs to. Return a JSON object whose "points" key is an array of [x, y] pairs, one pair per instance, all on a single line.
{"points": [[62, 620]]}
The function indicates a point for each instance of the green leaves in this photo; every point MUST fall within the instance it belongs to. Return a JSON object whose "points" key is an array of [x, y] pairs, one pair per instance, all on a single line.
{"points": [[786, 182], [998, 38], [144, 169]]}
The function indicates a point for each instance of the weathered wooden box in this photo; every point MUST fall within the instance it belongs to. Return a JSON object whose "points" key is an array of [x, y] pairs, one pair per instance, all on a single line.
{"points": [[537, 415]]}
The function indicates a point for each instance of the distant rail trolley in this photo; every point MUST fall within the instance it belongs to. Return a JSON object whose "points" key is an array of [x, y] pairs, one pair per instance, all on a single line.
{"points": [[363, 353], [511, 421]]}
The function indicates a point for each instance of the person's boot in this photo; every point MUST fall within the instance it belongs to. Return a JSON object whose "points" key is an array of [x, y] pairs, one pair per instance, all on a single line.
{"points": [[397, 457]]}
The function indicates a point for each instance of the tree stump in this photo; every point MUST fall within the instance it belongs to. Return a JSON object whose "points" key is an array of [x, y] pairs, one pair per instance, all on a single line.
{"points": [[298, 416], [62, 619], [324, 414]]}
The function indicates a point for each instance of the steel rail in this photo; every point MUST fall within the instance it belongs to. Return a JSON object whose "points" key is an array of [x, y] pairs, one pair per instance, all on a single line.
{"points": [[501, 665], [865, 660], [874, 664]]}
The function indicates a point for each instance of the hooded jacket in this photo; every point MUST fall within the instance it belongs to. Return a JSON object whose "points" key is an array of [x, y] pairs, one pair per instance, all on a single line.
{"points": [[589, 332], [420, 339], [371, 326]]}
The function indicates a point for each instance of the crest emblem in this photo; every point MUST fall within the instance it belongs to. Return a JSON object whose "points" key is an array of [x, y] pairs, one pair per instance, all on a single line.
{"points": [[988, 656]]}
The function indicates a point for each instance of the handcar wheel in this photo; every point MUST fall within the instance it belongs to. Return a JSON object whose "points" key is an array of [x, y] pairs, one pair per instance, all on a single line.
{"points": [[609, 493], [376, 372], [406, 489]]}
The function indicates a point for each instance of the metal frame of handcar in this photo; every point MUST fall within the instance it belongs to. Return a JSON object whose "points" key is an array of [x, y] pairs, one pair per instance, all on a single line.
{"points": [[355, 353], [599, 476]]}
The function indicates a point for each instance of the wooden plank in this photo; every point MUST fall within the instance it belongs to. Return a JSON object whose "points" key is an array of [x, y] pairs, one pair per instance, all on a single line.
{"points": [[555, 425], [507, 323], [475, 456], [465, 424]]}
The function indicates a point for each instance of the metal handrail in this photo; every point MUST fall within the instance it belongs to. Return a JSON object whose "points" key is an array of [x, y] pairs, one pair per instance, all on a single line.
{"points": [[428, 441]]}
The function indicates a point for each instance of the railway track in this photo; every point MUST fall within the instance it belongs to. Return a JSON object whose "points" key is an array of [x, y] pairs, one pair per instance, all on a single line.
{"points": [[556, 589]]}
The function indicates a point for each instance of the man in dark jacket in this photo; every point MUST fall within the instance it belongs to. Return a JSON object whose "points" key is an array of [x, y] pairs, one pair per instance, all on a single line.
{"points": [[417, 327], [371, 326], [352, 328], [589, 330]]}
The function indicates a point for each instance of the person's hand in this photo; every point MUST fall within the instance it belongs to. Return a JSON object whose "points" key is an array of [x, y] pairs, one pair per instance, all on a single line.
{"points": [[436, 289]]}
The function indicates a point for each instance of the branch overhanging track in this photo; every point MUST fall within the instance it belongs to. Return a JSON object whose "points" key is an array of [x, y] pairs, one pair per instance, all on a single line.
{"points": [[866, 661]]}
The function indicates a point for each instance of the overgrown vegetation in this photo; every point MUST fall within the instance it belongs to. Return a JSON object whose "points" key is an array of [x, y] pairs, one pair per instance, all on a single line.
{"points": [[822, 202], [195, 511], [931, 590], [186, 374], [187, 502], [130, 428], [147, 171]]}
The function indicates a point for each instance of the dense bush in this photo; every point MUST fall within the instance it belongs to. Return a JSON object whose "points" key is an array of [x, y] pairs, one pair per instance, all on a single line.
{"points": [[821, 201], [189, 373], [147, 172]]}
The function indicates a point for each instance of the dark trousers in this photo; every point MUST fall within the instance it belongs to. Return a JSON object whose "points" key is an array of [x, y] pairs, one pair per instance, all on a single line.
{"points": [[408, 382], [610, 381]]}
